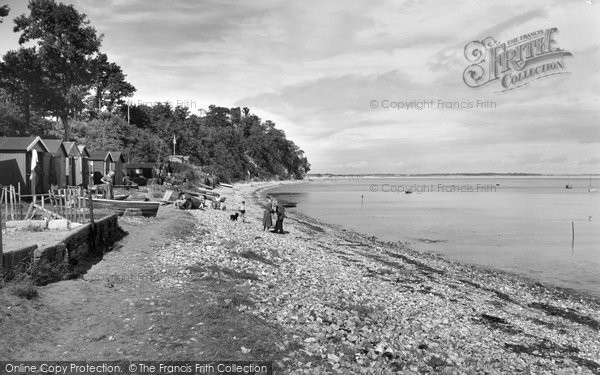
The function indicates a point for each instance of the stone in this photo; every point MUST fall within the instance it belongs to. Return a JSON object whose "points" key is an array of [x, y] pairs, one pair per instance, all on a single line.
{"points": [[133, 212], [59, 224], [27, 224]]}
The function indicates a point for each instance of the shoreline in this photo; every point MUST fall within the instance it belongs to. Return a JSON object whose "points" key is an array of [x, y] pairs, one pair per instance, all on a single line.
{"points": [[527, 295], [262, 192]]}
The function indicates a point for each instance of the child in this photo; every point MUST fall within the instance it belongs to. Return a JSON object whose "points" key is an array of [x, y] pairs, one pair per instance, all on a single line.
{"points": [[243, 211]]}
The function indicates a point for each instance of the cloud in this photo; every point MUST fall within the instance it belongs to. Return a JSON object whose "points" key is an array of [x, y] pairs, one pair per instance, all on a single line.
{"points": [[314, 67]]}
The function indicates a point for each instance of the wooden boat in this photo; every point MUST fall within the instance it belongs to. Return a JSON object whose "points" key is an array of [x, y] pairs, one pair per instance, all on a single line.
{"points": [[148, 209], [199, 192]]}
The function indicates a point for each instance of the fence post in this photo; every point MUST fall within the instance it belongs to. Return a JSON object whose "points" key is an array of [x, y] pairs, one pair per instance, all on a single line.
{"points": [[1, 251], [91, 207], [92, 224], [20, 206]]}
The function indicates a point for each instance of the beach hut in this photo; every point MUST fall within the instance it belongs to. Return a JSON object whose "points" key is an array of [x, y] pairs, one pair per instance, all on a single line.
{"points": [[100, 162], [85, 166], [76, 163], [117, 166], [140, 173], [21, 157], [56, 162]]}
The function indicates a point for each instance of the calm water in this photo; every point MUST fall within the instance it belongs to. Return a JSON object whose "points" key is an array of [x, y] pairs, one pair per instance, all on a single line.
{"points": [[519, 225]]}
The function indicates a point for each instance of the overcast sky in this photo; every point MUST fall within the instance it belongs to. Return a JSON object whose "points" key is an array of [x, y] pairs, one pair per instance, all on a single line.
{"points": [[317, 68]]}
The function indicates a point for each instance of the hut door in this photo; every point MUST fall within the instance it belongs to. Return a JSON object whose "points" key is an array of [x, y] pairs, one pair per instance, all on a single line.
{"points": [[28, 172]]}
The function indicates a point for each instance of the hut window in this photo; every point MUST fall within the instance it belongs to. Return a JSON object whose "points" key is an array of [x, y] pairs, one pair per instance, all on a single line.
{"points": [[67, 166]]}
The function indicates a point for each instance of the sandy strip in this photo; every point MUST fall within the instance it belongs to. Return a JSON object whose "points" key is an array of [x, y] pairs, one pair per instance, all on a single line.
{"points": [[350, 304]]}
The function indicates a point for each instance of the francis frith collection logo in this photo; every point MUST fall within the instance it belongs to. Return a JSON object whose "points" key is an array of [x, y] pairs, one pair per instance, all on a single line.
{"points": [[516, 62]]}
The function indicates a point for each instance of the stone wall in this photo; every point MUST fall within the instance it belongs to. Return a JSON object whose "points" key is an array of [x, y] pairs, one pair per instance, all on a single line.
{"points": [[77, 244]]}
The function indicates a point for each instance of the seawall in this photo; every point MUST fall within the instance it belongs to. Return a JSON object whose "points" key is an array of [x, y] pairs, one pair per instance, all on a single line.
{"points": [[77, 244]]}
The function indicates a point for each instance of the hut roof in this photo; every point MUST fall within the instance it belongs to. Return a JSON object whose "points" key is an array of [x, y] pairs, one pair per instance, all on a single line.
{"points": [[55, 146], [100, 155], [20, 143], [83, 150], [116, 155], [72, 149]]}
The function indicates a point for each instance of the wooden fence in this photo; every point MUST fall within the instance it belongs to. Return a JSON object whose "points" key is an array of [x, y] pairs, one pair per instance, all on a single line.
{"points": [[69, 203], [10, 200]]}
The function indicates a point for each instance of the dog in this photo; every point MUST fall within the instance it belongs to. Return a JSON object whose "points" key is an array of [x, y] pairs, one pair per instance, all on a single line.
{"points": [[234, 217]]}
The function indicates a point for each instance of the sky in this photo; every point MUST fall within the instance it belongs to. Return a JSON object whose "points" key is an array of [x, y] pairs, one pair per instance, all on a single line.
{"points": [[337, 77]]}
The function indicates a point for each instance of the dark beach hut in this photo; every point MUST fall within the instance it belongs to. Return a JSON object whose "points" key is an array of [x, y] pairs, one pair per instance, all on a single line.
{"points": [[100, 162], [85, 166], [140, 173], [19, 157], [117, 166], [57, 162], [76, 163]]}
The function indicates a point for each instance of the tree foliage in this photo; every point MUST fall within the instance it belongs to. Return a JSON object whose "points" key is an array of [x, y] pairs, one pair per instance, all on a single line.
{"points": [[109, 86], [63, 73], [230, 147], [4, 9]]}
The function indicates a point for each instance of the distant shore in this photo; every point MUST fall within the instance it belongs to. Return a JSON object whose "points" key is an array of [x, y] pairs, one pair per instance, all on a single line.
{"points": [[465, 174]]}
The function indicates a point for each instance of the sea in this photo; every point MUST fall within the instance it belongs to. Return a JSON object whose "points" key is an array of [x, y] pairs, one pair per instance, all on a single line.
{"points": [[545, 228]]}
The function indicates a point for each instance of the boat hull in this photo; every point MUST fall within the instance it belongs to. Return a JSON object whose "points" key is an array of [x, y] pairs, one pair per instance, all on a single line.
{"points": [[149, 209]]}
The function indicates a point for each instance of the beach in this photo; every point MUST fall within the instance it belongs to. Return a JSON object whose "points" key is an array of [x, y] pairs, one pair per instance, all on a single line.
{"points": [[318, 299]]}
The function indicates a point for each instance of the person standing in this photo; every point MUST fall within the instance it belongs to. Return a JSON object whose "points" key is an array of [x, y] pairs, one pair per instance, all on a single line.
{"points": [[108, 181], [243, 211], [267, 219], [280, 216]]}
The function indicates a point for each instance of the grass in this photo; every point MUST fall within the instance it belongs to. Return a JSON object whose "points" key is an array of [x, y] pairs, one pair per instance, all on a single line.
{"points": [[23, 287], [44, 273], [35, 228]]}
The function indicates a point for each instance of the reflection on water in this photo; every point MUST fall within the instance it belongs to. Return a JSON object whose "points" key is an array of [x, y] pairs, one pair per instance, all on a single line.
{"points": [[520, 225]]}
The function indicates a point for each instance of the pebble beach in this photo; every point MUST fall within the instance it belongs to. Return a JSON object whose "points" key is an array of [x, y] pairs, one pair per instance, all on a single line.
{"points": [[350, 304]]}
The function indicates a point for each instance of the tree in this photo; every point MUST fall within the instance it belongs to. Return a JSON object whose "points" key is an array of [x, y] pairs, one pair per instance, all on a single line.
{"points": [[21, 78], [67, 47], [4, 9], [109, 87]]}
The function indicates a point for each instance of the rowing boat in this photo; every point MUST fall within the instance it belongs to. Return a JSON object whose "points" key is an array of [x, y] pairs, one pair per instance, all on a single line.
{"points": [[148, 208]]}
